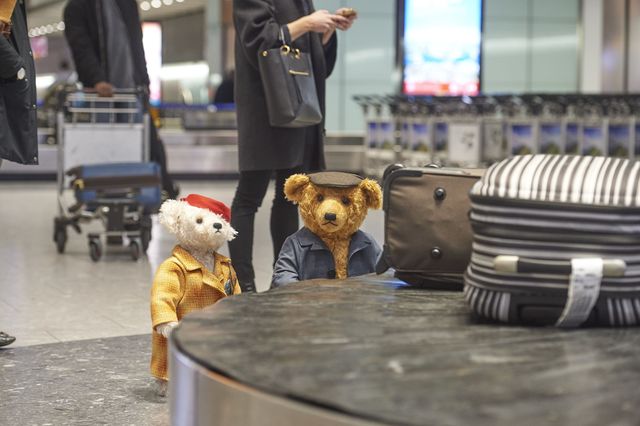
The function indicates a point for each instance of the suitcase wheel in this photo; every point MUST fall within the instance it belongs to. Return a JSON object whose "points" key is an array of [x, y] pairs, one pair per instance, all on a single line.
{"points": [[134, 247], [145, 233], [60, 238], [95, 249]]}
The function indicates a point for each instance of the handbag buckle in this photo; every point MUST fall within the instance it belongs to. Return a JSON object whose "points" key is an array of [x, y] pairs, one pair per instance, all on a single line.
{"points": [[285, 49]]}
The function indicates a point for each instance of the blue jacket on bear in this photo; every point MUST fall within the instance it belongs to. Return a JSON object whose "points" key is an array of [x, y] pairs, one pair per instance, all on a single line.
{"points": [[304, 256]]}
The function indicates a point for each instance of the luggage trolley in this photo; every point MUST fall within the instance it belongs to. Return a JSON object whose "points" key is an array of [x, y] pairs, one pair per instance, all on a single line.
{"points": [[103, 156]]}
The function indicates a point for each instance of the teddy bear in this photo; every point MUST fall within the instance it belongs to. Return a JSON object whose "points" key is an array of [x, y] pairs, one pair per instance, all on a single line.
{"points": [[195, 276], [333, 205]]}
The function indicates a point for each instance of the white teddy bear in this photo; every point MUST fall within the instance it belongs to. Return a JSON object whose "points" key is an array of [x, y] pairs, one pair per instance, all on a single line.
{"points": [[195, 276]]}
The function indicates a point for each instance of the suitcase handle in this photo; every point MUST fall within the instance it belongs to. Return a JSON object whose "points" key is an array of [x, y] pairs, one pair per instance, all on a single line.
{"points": [[519, 265]]}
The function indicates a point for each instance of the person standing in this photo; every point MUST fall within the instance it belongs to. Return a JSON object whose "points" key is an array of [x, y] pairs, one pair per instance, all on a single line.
{"points": [[18, 130], [265, 150], [105, 37]]}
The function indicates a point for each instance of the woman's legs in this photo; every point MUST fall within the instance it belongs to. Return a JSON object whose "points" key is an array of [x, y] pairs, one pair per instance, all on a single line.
{"points": [[249, 195], [284, 214]]}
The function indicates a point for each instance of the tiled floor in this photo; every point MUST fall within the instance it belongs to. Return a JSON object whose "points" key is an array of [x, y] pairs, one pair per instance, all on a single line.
{"points": [[46, 297]]}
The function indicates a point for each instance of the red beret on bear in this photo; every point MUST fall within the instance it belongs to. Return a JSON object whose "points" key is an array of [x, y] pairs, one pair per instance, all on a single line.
{"points": [[210, 204]]}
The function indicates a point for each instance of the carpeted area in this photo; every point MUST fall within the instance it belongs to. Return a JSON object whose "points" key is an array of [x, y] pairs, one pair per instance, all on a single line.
{"points": [[87, 382]]}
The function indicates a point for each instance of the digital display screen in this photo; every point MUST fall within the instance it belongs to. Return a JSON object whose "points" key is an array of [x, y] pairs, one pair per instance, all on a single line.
{"points": [[442, 42]]}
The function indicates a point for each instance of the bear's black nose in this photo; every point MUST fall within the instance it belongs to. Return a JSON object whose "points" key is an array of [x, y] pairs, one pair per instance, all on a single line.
{"points": [[330, 216], [218, 226]]}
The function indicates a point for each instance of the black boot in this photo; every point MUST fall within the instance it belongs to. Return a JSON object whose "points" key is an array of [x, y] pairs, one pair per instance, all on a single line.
{"points": [[5, 339]]}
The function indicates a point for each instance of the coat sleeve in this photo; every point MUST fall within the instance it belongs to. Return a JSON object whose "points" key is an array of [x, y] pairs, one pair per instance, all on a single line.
{"points": [[10, 60], [76, 31], [166, 293], [138, 47], [286, 269], [256, 26], [331, 53]]}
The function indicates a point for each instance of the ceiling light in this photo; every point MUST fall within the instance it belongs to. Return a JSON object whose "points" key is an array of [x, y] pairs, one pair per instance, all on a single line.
{"points": [[179, 1], [167, 2], [156, 3], [145, 5], [61, 26]]}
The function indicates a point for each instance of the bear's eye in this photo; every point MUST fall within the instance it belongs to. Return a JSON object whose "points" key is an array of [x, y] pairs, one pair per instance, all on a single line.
{"points": [[320, 198], [199, 220], [346, 201]]}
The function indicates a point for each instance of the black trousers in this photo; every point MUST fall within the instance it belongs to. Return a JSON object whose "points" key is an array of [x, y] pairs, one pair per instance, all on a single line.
{"points": [[251, 190], [157, 154]]}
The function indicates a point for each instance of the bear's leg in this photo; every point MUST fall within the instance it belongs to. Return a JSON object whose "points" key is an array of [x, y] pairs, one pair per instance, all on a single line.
{"points": [[160, 386]]}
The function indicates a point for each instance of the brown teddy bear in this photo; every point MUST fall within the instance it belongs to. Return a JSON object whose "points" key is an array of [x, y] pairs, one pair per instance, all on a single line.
{"points": [[333, 205], [195, 276]]}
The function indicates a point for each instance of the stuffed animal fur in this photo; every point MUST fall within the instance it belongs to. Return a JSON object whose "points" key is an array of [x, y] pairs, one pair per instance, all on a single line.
{"points": [[195, 276], [333, 206]]}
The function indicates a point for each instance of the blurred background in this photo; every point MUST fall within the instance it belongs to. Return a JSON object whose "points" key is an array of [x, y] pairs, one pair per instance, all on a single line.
{"points": [[415, 47]]}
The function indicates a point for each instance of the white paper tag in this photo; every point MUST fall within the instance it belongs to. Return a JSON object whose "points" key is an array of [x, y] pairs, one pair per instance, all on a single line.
{"points": [[584, 289]]}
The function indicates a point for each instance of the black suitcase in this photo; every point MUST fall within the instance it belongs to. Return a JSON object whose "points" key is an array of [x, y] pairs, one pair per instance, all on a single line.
{"points": [[427, 236], [557, 241]]}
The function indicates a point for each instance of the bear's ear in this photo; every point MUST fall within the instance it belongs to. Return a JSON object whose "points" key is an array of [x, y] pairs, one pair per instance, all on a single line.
{"points": [[294, 187], [170, 214], [372, 193]]}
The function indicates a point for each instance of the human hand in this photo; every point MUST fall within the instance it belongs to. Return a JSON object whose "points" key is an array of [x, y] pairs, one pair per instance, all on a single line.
{"points": [[321, 21], [104, 89], [349, 15], [166, 328]]}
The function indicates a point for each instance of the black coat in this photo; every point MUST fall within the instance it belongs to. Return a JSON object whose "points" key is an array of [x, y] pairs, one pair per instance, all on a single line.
{"points": [[260, 146], [86, 36], [18, 128]]}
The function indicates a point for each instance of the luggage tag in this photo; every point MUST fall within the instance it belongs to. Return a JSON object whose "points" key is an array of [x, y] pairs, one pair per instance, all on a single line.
{"points": [[584, 289]]}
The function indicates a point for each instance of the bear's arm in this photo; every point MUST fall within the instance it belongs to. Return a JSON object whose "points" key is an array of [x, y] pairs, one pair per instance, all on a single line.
{"points": [[166, 293], [286, 269]]}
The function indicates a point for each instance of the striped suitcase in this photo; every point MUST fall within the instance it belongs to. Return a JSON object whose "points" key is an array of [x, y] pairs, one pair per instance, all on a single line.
{"points": [[556, 241]]}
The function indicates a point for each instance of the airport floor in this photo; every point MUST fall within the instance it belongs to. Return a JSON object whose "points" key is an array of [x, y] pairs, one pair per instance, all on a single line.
{"points": [[82, 328]]}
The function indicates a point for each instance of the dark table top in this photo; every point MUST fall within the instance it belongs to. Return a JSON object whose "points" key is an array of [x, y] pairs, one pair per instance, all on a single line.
{"points": [[378, 349]]}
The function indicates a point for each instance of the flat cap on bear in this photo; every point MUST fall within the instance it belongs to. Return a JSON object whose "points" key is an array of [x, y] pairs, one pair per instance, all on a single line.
{"points": [[335, 179]]}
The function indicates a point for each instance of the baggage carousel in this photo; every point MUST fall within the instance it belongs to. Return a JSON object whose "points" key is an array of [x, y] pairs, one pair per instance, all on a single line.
{"points": [[372, 350]]}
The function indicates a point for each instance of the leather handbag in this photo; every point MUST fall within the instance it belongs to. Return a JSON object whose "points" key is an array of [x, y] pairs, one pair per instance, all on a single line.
{"points": [[427, 234], [289, 86]]}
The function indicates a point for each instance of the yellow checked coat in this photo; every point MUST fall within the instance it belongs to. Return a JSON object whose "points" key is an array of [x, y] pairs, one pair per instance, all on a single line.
{"points": [[182, 285]]}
